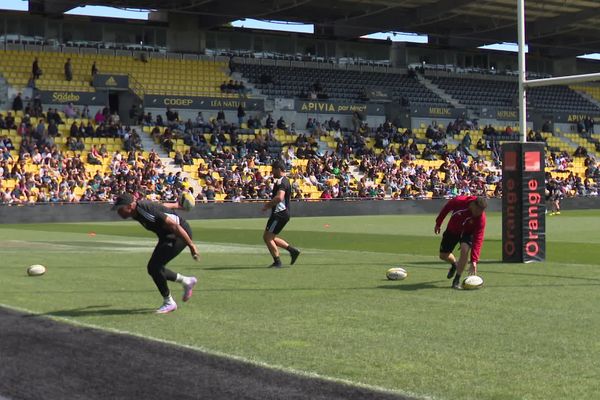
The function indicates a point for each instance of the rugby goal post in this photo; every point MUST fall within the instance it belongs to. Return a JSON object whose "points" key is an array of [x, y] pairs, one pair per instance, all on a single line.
{"points": [[523, 171]]}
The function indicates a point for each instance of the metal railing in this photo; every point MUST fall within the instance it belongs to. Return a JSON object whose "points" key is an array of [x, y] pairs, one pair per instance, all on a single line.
{"points": [[137, 87]]}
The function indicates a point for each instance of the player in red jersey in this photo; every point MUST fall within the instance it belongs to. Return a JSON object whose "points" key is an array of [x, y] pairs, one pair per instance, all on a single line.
{"points": [[467, 227]]}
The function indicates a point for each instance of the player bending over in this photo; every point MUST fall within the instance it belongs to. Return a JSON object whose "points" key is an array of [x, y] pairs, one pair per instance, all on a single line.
{"points": [[467, 227], [174, 235]]}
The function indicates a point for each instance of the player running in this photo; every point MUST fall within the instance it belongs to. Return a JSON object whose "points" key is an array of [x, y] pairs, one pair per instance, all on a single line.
{"points": [[280, 215]]}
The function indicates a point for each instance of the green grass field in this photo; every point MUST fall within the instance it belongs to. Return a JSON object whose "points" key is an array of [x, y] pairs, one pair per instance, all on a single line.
{"points": [[530, 333]]}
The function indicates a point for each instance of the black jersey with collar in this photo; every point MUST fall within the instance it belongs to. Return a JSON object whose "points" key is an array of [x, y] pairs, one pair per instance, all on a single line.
{"points": [[152, 216], [283, 207]]}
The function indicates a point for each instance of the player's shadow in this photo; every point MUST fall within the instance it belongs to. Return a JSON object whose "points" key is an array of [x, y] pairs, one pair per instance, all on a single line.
{"points": [[413, 286], [100, 310]]}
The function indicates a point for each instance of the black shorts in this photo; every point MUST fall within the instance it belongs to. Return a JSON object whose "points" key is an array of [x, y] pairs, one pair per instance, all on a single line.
{"points": [[169, 247], [276, 223], [450, 240]]}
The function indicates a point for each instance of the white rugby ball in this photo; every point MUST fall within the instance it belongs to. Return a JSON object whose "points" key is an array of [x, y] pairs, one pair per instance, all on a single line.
{"points": [[473, 282], [396, 274], [36, 270]]}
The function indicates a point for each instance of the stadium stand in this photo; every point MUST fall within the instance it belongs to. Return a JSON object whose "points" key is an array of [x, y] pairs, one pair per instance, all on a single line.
{"points": [[476, 93], [335, 84], [158, 76], [382, 163], [231, 163], [593, 91]]}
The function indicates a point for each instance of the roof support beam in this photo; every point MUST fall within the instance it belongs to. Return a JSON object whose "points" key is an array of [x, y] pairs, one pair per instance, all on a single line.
{"points": [[50, 7], [386, 19], [538, 29]]}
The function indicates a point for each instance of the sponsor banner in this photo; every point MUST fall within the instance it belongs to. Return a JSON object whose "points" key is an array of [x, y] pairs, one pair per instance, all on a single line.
{"points": [[78, 98], [438, 112], [202, 103], [503, 114], [328, 107], [111, 81], [573, 118], [523, 202]]}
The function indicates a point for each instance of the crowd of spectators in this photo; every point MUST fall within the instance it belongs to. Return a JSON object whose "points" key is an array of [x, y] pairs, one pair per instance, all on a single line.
{"points": [[234, 87], [376, 163], [59, 177], [42, 172]]}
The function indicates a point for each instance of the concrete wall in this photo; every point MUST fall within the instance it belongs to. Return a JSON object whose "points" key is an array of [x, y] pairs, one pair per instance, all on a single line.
{"points": [[289, 116], [102, 212]]}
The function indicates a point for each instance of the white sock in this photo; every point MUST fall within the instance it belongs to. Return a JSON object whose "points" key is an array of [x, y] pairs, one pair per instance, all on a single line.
{"points": [[182, 279], [169, 299]]}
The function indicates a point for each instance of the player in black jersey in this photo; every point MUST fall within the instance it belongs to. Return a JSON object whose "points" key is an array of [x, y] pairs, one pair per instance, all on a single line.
{"points": [[280, 215], [174, 235]]}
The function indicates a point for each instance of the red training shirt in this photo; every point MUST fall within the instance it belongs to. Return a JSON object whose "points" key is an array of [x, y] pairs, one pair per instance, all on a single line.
{"points": [[462, 221]]}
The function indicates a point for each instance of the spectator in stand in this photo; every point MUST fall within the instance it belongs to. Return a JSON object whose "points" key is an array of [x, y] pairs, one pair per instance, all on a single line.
{"points": [[17, 104], [489, 130], [281, 124], [546, 127], [147, 119], [69, 111], [85, 112], [200, 122], [99, 117], [9, 121], [466, 142], [270, 123], [68, 70], [588, 124], [580, 152], [36, 71], [178, 159], [94, 70], [73, 130], [135, 114], [94, 157], [538, 137], [241, 113], [172, 116]]}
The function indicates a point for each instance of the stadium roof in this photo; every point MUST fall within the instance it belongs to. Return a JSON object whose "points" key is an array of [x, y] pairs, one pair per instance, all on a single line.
{"points": [[560, 28]]}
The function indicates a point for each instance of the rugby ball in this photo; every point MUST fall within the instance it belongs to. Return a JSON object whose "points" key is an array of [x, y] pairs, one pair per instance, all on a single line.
{"points": [[472, 282], [36, 270], [187, 201], [396, 274]]}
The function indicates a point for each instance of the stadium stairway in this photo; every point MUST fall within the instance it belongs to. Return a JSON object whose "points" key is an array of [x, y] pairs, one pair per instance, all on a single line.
{"points": [[568, 141], [589, 96], [3, 93], [148, 144], [439, 91]]}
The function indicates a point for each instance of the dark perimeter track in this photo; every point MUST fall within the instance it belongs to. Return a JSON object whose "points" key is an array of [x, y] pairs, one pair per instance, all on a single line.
{"points": [[42, 359]]}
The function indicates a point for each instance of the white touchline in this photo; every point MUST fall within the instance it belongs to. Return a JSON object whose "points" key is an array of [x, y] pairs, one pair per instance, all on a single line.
{"points": [[221, 354]]}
